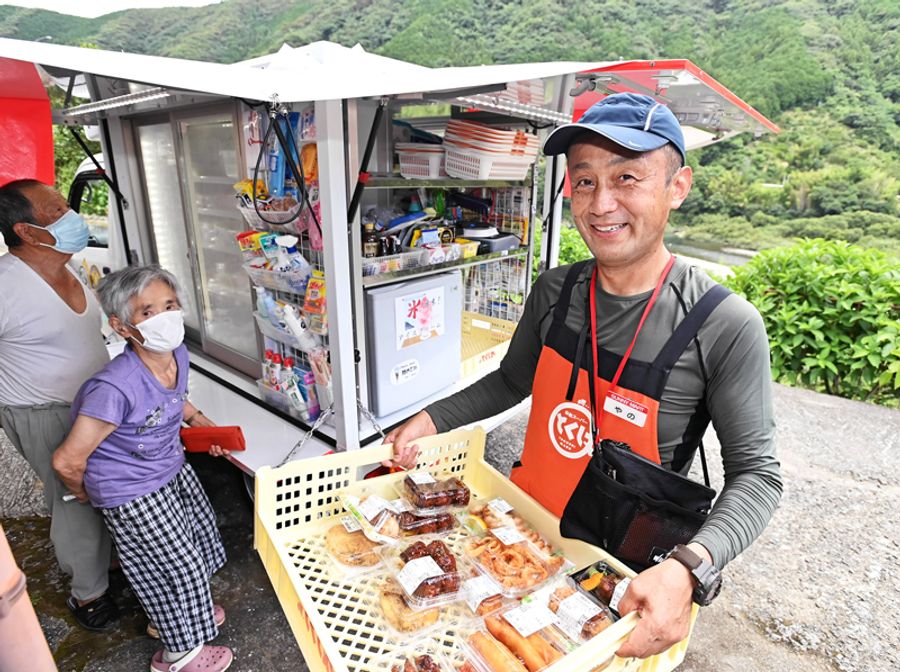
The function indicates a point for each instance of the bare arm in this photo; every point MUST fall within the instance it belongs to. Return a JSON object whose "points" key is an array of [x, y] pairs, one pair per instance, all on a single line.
{"points": [[70, 459], [194, 417]]}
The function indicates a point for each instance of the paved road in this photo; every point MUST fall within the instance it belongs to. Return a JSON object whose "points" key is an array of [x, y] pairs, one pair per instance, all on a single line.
{"points": [[818, 592]]}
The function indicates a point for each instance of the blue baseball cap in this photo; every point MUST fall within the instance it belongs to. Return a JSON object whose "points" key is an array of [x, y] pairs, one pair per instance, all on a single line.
{"points": [[636, 122]]}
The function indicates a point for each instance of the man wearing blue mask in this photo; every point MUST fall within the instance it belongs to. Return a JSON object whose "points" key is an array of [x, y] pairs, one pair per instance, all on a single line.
{"points": [[50, 343]]}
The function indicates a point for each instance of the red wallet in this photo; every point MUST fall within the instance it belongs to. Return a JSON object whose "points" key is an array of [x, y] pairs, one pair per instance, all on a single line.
{"points": [[200, 439]]}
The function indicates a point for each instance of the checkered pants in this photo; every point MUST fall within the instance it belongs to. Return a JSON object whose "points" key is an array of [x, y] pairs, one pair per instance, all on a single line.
{"points": [[169, 547]]}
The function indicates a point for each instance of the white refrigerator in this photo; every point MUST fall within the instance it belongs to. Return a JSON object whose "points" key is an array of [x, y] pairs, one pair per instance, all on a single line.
{"points": [[414, 332]]}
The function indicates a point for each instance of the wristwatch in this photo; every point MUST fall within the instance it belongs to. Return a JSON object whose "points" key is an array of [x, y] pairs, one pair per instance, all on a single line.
{"points": [[707, 576]]}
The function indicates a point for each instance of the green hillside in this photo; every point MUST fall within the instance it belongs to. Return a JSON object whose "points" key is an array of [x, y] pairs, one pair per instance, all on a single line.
{"points": [[828, 72]]}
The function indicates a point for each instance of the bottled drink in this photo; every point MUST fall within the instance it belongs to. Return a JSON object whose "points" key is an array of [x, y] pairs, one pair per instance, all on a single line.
{"points": [[370, 241]]}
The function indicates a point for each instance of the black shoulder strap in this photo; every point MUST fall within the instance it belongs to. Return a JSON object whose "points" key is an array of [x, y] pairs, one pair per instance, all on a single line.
{"points": [[562, 303], [690, 325]]}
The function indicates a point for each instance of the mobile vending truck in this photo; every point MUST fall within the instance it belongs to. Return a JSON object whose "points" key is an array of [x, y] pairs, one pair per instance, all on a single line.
{"points": [[368, 222]]}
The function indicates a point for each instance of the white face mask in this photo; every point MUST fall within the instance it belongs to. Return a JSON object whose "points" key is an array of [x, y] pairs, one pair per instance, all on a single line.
{"points": [[163, 332]]}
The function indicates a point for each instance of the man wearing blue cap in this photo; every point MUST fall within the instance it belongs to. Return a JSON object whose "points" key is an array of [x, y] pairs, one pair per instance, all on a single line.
{"points": [[670, 349]]}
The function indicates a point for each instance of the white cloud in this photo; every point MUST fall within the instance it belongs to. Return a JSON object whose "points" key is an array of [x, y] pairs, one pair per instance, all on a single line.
{"points": [[94, 8]]}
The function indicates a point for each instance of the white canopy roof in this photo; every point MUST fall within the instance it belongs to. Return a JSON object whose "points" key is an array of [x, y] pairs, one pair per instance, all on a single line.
{"points": [[318, 71]]}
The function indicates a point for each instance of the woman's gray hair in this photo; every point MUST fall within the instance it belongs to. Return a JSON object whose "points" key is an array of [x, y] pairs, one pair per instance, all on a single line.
{"points": [[116, 290]]}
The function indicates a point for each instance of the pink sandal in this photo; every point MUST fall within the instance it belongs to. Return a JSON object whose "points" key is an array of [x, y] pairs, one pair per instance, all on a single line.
{"points": [[218, 617], [204, 658]]}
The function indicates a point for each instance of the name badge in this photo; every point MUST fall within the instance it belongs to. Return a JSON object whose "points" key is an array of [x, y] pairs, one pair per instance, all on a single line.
{"points": [[625, 408]]}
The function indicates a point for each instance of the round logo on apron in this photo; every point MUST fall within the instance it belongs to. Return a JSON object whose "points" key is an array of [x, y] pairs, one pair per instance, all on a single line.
{"points": [[570, 430]]}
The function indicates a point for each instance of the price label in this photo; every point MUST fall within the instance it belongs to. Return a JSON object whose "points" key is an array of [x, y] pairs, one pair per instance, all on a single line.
{"points": [[529, 618], [421, 478], [371, 506], [350, 524], [618, 594], [500, 506], [416, 571], [477, 590], [400, 505], [508, 535], [574, 611]]}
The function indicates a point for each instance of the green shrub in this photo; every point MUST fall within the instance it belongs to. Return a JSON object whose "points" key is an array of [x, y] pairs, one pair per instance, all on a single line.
{"points": [[832, 310]]}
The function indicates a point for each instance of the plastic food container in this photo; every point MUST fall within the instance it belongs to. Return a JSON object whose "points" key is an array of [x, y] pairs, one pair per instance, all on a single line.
{"points": [[399, 617], [351, 552], [580, 616], [376, 515], [439, 524], [427, 494], [427, 571], [602, 582], [512, 561], [484, 515], [480, 594], [423, 655], [388, 521], [526, 634]]}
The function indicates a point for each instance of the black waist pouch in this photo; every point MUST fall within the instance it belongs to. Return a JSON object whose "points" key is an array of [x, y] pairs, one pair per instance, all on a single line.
{"points": [[633, 508]]}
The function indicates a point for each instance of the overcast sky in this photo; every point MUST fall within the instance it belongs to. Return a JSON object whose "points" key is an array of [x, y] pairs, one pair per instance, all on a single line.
{"points": [[94, 8]]}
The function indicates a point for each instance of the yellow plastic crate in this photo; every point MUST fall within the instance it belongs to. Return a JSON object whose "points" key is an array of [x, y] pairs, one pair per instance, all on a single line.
{"points": [[485, 341], [336, 621]]}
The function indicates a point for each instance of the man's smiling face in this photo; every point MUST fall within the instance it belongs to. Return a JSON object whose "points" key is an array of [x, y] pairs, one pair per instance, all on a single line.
{"points": [[621, 199]]}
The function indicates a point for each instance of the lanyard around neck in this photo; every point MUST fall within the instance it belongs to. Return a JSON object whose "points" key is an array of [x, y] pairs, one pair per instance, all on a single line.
{"points": [[598, 408]]}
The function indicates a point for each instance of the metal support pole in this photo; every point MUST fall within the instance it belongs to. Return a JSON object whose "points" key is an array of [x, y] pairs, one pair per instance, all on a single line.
{"points": [[338, 294], [555, 177]]}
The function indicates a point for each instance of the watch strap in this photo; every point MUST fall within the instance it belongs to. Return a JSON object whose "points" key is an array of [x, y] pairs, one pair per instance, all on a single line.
{"points": [[706, 576]]}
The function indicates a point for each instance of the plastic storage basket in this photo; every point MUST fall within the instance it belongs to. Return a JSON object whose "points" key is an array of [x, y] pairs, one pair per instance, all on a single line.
{"points": [[485, 341], [393, 262], [286, 221], [280, 401], [290, 281], [473, 164], [420, 161], [331, 618]]}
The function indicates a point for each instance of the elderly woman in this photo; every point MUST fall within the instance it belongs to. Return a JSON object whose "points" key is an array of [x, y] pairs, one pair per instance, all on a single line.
{"points": [[124, 455]]}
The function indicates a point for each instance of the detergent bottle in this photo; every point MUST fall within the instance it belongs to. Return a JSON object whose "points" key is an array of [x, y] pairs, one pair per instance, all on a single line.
{"points": [[261, 307], [306, 340]]}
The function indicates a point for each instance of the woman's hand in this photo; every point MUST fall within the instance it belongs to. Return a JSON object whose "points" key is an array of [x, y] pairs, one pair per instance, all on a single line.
{"points": [[405, 451], [200, 420]]}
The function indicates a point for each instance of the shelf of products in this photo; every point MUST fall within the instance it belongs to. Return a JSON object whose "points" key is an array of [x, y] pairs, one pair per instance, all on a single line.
{"points": [[282, 254], [398, 182], [431, 269]]}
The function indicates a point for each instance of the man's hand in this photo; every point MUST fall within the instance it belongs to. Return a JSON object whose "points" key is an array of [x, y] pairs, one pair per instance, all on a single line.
{"points": [[405, 452], [662, 596]]}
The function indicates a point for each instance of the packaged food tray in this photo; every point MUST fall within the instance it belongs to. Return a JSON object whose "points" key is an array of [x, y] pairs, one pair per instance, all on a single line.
{"points": [[335, 628]]}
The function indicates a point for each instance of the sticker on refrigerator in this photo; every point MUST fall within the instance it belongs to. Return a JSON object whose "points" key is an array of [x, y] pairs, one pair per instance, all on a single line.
{"points": [[419, 316], [405, 371]]}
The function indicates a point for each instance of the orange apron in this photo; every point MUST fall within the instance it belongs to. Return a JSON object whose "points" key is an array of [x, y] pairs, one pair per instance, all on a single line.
{"points": [[561, 431]]}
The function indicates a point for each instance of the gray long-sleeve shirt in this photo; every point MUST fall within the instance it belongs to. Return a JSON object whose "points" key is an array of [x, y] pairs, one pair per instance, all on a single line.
{"points": [[735, 353]]}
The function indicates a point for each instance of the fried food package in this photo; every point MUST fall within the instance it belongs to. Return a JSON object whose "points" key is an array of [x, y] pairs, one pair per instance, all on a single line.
{"points": [[349, 549], [422, 655], [579, 617], [427, 493], [501, 646], [485, 515], [399, 615], [603, 582], [426, 570], [512, 560]]}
